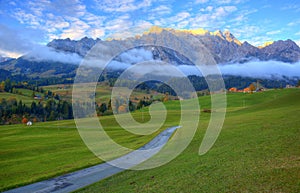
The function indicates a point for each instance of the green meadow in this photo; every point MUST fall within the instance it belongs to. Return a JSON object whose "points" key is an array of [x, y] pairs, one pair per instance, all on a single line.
{"points": [[258, 150]]}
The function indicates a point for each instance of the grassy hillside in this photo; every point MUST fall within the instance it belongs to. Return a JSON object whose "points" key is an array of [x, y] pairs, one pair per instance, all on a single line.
{"points": [[258, 150], [103, 92]]}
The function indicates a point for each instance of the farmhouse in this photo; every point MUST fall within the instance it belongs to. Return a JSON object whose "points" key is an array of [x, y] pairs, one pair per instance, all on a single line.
{"points": [[233, 89], [246, 90], [37, 97]]}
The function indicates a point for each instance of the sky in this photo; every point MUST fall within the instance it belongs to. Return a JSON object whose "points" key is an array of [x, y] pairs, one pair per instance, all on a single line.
{"points": [[24, 24]]}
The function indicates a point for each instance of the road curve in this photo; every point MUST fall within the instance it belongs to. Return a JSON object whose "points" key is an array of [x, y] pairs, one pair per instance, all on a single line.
{"points": [[81, 178]]}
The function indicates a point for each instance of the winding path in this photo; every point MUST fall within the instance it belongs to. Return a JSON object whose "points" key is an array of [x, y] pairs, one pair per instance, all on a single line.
{"points": [[75, 180]]}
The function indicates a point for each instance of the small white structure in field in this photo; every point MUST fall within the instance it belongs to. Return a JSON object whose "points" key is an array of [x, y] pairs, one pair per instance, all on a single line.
{"points": [[29, 123]]}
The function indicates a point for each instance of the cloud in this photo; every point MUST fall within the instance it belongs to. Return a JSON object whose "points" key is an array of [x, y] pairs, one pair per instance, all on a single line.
{"points": [[129, 58], [77, 29], [119, 23], [121, 5], [254, 69], [259, 69], [162, 9], [96, 33], [208, 9], [294, 23], [224, 1], [180, 20], [44, 53], [291, 7], [60, 18], [201, 1], [223, 11], [71, 8], [273, 32], [27, 18], [14, 44]]}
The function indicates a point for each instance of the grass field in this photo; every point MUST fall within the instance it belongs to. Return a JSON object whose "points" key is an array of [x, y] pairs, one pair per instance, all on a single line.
{"points": [[258, 150], [103, 92], [25, 99]]}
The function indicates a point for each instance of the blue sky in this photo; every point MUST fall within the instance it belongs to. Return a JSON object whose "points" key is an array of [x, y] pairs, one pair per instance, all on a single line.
{"points": [[26, 23]]}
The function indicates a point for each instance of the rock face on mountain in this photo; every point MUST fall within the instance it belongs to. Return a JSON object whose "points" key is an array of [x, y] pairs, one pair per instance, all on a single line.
{"points": [[223, 46], [80, 47], [285, 51]]}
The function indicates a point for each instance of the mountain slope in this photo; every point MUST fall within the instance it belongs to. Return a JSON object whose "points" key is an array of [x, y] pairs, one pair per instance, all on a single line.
{"points": [[222, 46]]}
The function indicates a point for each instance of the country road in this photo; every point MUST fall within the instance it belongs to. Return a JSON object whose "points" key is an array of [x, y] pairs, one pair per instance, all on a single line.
{"points": [[76, 180]]}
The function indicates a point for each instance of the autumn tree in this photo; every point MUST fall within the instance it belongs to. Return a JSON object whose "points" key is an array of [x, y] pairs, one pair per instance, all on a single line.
{"points": [[24, 120], [166, 97], [2, 86], [252, 88]]}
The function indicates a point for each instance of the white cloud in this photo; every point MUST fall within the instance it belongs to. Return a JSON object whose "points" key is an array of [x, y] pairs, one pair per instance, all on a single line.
{"points": [[259, 40], [224, 11], [12, 3], [201, 1], [291, 7], [60, 19], [224, 1], [9, 54], [161, 10], [174, 20], [96, 33], [77, 30], [247, 31], [128, 28], [118, 24], [294, 23], [27, 18], [121, 5], [70, 8], [261, 69], [208, 8], [273, 32], [42, 53]]}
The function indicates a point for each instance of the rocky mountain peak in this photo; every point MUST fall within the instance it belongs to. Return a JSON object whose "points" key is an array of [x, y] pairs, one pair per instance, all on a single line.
{"points": [[286, 51], [219, 34], [155, 29], [265, 44], [223, 46], [81, 47], [230, 38]]}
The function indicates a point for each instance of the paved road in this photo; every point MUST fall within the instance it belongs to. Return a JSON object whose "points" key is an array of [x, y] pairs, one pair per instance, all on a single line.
{"points": [[75, 180]]}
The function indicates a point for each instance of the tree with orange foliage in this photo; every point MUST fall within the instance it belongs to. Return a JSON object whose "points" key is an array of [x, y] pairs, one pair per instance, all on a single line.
{"points": [[166, 97], [122, 109], [252, 88], [24, 120]]}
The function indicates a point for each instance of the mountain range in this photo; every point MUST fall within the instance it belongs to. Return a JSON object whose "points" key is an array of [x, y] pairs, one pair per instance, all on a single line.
{"points": [[223, 46]]}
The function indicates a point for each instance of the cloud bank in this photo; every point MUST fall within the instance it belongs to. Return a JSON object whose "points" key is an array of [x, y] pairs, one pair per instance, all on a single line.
{"points": [[44, 53], [255, 69], [14, 44], [262, 69]]}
